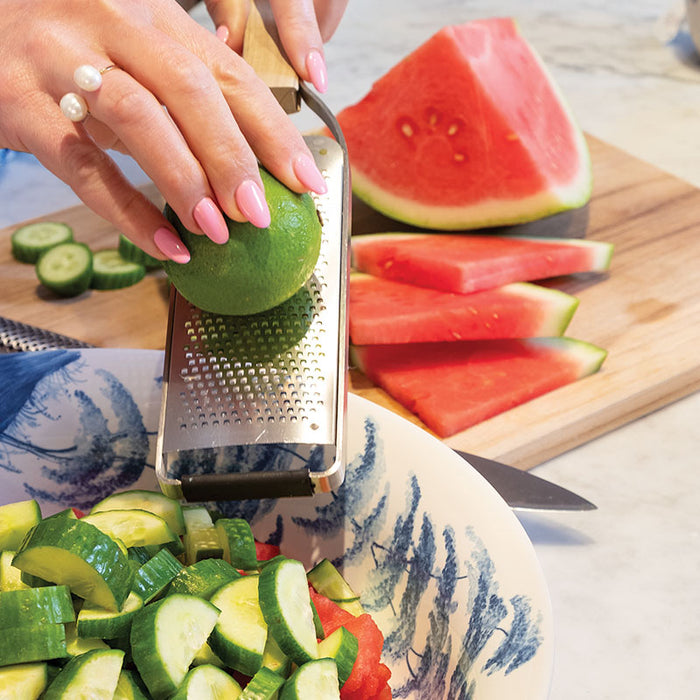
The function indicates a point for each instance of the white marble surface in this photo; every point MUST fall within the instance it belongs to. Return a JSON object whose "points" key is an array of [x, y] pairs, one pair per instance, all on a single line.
{"points": [[623, 579]]}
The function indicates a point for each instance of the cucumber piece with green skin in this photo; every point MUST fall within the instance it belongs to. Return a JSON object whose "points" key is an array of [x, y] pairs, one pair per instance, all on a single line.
{"points": [[16, 519], [19, 645], [66, 268], [275, 659], [155, 575], [238, 543], [315, 680], [75, 645], [130, 251], [135, 527], [341, 646], [94, 621], [79, 555], [239, 636], [286, 606], [112, 271], [128, 687], [93, 675], [208, 682], [10, 576], [204, 578], [141, 499], [31, 240], [204, 543], [23, 681], [264, 685], [196, 518], [165, 636], [36, 606], [328, 581], [205, 655]]}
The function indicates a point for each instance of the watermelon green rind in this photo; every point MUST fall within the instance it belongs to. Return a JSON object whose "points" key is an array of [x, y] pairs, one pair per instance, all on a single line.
{"points": [[493, 142], [589, 357], [382, 311]]}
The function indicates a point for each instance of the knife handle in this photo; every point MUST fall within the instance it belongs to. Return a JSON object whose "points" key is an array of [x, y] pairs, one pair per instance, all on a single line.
{"points": [[263, 51]]}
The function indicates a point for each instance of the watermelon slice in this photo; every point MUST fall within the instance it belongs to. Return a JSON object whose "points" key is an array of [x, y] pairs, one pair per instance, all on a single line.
{"points": [[382, 311], [452, 386], [468, 130], [465, 263]]}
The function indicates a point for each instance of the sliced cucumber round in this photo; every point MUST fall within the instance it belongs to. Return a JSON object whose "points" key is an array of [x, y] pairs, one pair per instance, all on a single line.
{"points": [[75, 553], [141, 499], [286, 606], [66, 268], [135, 528], [111, 271], [240, 633], [165, 636], [94, 675], [207, 682], [30, 241], [315, 680]]}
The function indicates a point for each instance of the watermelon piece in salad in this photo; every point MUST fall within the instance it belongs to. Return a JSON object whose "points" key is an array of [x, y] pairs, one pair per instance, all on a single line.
{"points": [[466, 263], [453, 386], [382, 311], [468, 130]]}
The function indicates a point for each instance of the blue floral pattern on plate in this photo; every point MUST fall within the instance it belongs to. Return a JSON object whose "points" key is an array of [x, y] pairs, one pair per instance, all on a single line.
{"points": [[442, 564]]}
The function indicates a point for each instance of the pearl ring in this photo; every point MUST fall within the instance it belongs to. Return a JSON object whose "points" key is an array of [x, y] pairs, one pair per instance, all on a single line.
{"points": [[89, 79]]}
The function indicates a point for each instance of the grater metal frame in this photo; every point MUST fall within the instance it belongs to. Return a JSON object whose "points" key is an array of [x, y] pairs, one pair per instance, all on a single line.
{"points": [[235, 459]]}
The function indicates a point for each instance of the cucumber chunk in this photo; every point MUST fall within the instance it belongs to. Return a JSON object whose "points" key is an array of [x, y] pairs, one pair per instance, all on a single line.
{"points": [[238, 542], [75, 645], [79, 555], [204, 543], [165, 636], [155, 575], [239, 636], [286, 606], [111, 271], [10, 576], [341, 646], [23, 681], [66, 269], [207, 682], [204, 578], [30, 241], [128, 687], [315, 680], [262, 686], [25, 644], [328, 581], [135, 528], [141, 499], [93, 675], [94, 621], [36, 606], [16, 519]]}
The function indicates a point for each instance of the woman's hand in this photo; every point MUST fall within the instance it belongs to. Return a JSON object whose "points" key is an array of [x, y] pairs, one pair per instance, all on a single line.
{"points": [[189, 110], [303, 26]]}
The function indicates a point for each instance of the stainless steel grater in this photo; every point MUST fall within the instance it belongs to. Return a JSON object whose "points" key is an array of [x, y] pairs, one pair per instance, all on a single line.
{"points": [[254, 406]]}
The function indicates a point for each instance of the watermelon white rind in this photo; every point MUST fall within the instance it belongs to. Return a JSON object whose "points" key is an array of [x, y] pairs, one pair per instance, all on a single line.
{"points": [[492, 142]]}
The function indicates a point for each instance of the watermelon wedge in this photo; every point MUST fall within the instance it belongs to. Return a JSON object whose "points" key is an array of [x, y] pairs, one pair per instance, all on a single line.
{"points": [[465, 263], [469, 130], [383, 311], [452, 386]]}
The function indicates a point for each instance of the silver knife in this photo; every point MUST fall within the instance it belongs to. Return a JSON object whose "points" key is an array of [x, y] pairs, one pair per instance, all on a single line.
{"points": [[520, 489]]}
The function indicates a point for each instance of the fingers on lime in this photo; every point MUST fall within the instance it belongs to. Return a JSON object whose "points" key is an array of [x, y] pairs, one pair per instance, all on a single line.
{"points": [[257, 269]]}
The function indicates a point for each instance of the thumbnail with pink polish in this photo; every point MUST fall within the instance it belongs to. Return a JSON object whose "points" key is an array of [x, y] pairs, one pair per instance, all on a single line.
{"points": [[251, 201]]}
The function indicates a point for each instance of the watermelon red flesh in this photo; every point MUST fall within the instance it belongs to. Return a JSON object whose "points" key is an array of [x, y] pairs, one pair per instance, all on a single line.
{"points": [[465, 263], [488, 142], [383, 311], [452, 386]]}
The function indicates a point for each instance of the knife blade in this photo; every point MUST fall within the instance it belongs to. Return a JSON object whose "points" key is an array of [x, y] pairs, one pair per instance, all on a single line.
{"points": [[520, 489]]}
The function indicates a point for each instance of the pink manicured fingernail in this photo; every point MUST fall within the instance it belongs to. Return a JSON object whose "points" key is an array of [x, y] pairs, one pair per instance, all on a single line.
{"points": [[171, 246], [251, 201], [222, 33], [211, 220], [309, 175], [316, 66]]}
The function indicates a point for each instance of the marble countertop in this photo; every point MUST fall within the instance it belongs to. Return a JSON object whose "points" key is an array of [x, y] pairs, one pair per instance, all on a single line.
{"points": [[622, 578]]}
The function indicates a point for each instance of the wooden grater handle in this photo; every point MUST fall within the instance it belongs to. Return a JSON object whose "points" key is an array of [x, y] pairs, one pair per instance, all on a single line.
{"points": [[262, 50]]}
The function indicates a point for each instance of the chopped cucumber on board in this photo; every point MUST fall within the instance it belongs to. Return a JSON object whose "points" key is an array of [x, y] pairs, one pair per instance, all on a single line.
{"points": [[107, 621], [31, 240]]}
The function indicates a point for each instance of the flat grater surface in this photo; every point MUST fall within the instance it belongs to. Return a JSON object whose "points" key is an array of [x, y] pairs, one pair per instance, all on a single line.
{"points": [[266, 392]]}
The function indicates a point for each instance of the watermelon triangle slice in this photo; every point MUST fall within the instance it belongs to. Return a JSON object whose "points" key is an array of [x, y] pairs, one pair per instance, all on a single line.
{"points": [[467, 131], [466, 263], [452, 386], [387, 312]]}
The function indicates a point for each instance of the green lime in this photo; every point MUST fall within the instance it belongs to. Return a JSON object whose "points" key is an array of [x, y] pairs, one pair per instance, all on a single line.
{"points": [[257, 269]]}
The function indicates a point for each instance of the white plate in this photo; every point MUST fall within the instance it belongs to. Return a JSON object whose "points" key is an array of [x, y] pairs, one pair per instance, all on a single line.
{"points": [[442, 564]]}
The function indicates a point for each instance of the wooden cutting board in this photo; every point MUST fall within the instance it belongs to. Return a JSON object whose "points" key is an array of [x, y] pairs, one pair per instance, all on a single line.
{"points": [[645, 312]]}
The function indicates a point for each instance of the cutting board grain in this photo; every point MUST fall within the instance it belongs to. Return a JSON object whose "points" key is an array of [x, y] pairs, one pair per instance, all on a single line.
{"points": [[645, 312]]}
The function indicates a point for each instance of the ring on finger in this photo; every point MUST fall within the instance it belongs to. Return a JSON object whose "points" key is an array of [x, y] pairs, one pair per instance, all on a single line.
{"points": [[89, 79]]}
